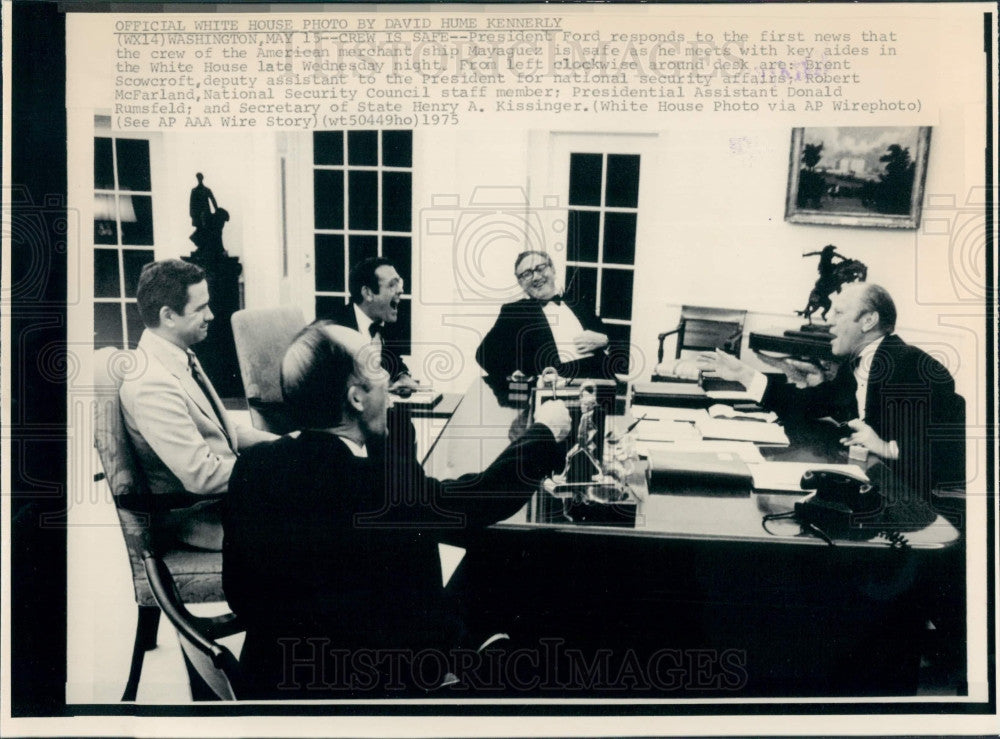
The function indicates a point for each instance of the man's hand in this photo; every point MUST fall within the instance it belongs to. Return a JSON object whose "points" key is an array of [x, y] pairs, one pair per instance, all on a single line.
{"points": [[404, 386], [803, 374], [866, 437], [726, 366], [555, 415], [589, 342]]}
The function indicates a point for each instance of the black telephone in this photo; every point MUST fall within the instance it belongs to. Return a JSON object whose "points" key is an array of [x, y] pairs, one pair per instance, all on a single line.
{"points": [[838, 497]]}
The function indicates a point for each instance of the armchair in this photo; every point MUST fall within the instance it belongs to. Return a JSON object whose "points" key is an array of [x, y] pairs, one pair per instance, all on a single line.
{"points": [[163, 578], [703, 329], [262, 335]]}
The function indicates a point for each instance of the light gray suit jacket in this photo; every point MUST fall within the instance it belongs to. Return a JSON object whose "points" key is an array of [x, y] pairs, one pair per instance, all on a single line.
{"points": [[179, 439]]}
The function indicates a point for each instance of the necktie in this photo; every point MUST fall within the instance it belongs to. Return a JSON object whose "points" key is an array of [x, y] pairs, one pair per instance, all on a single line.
{"points": [[557, 299], [199, 377], [374, 329]]}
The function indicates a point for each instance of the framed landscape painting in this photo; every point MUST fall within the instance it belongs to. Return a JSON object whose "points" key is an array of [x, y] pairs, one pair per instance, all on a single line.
{"points": [[857, 176]]}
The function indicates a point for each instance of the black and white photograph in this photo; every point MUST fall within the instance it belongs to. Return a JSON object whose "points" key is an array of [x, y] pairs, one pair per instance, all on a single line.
{"points": [[499, 369]]}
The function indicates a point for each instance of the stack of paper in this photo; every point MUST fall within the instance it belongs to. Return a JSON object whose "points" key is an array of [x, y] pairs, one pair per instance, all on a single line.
{"points": [[665, 431], [745, 450], [724, 428], [654, 413], [720, 410]]}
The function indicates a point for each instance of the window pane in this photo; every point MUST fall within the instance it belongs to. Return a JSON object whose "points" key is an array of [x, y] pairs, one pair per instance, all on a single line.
{"points": [[363, 200], [330, 262], [107, 325], [362, 147], [581, 286], [581, 235], [396, 201], [397, 250], [136, 213], [133, 164], [623, 181], [619, 338], [328, 147], [328, 198], [403, 324], [616, 294], [106, 277], [362, 247], [134, 261], [585, 179], [327, 306], [397, 148], [104, 173], [619, 238], [133, 323]]}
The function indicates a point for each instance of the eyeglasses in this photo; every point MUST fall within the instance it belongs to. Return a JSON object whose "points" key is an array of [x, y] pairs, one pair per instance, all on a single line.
{"points": [[537, 271]]}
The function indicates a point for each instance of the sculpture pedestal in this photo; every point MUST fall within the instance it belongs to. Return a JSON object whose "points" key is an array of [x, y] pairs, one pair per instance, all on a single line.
{"points": [[217, 353]]}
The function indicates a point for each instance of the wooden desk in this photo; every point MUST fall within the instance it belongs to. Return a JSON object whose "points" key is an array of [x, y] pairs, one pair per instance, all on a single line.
{"points": [[482, 426], [700, 577]]}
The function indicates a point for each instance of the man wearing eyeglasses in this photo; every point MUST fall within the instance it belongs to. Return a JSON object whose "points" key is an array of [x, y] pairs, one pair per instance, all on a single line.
{"points": [[544, 329]]}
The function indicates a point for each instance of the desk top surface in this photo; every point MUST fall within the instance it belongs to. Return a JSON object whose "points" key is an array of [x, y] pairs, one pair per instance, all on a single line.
{"points": [[484, 424]]}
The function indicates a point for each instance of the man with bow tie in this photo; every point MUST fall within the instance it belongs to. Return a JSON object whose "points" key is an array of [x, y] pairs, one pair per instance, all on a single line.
{"points": [[894, 399], [544, 329], [376, 289], [185, 442]]}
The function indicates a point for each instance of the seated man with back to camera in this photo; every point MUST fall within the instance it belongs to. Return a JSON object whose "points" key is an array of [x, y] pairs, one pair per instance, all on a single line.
{"points": [[349, 587], [183, 438], [544, 329], [895, 400]]}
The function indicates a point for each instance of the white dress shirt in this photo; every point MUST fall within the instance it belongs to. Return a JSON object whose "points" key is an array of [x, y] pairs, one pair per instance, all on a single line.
{"points": [[565, 328], [363, 325]]}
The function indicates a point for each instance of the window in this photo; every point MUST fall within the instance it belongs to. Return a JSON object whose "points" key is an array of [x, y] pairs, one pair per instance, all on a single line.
{"points": [[362, 204], [123, 237], [600, 244]]}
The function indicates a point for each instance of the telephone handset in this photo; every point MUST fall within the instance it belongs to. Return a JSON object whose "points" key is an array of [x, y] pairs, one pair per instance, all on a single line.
{"points": [[837, 499]]}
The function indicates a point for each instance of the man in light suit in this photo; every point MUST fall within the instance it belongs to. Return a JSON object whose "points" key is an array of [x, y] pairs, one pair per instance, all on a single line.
{"points": [[543, 329], [185, 442], [376, 289]]}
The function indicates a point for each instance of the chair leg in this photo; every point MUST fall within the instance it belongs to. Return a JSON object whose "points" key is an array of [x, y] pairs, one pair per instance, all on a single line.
{"points": [[145, 639], [200, 690]]}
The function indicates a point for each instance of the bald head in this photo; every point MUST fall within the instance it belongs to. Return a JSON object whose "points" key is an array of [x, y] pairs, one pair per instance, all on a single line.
{"points": [[320, 369]]}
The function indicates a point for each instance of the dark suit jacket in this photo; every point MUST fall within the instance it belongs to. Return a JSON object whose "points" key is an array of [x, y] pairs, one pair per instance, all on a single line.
{"points": [[911, 400], [521, 339], [392, 360], [324, 545]]}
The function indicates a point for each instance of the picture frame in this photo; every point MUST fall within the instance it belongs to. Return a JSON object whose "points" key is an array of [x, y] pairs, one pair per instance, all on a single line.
{"points": [[865, 176]]}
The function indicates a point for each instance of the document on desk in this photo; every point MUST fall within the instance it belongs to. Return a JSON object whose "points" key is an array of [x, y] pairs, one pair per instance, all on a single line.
{"points": [[756, 431], [745, 450], [721, 410], [787, 476], [666, 431], [737, 395], [654, 413]]}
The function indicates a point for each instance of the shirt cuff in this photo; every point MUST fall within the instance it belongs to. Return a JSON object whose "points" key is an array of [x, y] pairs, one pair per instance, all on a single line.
{"points": [[757, 386]]}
